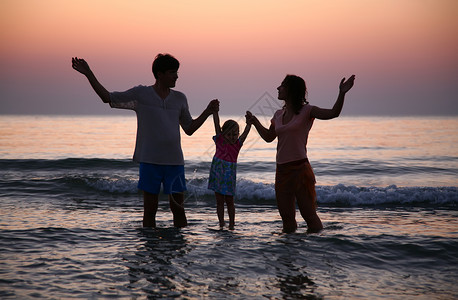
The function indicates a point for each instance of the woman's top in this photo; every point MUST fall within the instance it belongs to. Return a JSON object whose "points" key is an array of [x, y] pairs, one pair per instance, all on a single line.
{"points": [[292, 136]]}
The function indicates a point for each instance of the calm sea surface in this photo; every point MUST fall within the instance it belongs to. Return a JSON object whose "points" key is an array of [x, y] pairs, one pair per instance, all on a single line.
{"points": [[70, 215]]}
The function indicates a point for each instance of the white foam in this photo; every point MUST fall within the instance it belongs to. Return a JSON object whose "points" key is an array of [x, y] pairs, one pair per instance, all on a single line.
{"points": [[340, 195], [113, 185]]}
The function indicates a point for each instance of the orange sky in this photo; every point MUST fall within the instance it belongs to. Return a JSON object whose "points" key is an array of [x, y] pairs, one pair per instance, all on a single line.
{"points": [[232, 50]]}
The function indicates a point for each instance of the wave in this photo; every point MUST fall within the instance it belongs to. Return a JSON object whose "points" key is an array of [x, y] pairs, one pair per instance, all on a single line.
{"points": [[248, 192], [74, 178], [345, 196]]}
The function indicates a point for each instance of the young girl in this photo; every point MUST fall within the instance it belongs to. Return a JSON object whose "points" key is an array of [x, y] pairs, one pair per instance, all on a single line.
{"points": [[224, 165]]}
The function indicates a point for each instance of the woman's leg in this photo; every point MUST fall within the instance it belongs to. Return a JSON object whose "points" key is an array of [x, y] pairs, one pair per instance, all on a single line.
{"points": [[220, 208], [287, 209], [306, 205]]}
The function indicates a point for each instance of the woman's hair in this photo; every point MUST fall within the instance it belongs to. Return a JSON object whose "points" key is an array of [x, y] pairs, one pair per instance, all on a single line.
{"points": [[164, 62], [296, 91], [229, 125]]}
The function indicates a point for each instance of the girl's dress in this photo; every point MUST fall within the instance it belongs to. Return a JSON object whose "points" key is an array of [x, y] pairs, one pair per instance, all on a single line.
{"points": [[224, 166]]}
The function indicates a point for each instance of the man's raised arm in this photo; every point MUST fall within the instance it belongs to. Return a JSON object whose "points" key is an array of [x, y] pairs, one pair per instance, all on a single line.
{"points": [[82, 66]]}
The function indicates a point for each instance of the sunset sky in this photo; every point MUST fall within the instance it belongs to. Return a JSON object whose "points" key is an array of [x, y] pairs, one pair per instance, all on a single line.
{"points": [[404, 53]]}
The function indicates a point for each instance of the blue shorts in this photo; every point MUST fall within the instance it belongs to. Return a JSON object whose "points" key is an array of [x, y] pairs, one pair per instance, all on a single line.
{"points": [[152, 175]]}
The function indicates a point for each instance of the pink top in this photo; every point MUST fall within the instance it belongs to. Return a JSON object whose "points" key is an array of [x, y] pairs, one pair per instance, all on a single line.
{"points": [[226, 151], [292, 136]]}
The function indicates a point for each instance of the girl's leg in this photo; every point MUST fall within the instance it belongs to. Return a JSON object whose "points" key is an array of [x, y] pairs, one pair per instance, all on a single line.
{"points": [[307, 208], [287, 208], [220, 208], [230, 210]]}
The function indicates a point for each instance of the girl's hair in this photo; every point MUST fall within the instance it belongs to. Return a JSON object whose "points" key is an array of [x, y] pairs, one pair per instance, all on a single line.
{"points": [[164, 62], [296, 91], [229, 125]]}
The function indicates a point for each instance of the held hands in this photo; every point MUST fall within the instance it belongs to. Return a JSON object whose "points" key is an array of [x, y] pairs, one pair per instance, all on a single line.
{"points": [[250, 118], [345, 86], [213, 107], [81, 66]]}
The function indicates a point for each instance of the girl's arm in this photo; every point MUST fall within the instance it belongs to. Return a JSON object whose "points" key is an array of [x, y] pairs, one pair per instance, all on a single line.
{"points": [[245, 132], [267, 135], [326, 114], [216, 121]]}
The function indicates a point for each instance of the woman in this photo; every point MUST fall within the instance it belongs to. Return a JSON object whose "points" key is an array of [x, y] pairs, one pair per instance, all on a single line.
{"points": [[294, 178]]}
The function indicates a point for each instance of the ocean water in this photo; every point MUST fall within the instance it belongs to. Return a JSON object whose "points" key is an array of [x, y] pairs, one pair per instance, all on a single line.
{"points": [[70, 215]]}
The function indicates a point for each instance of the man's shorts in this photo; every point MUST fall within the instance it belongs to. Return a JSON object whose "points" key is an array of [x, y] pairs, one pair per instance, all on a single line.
{"points": [[152, 176]]}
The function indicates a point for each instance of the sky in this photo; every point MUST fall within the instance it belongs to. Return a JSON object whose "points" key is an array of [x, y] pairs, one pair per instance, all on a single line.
{"points": [[404, 53]]}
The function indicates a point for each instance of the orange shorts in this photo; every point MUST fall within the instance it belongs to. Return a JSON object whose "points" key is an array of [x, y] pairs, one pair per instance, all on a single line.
{"points": [[296, 177]]}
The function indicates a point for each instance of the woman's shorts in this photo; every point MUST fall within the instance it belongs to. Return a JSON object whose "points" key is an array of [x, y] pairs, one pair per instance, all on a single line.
{"points": [[296, 176], [152, 176]]}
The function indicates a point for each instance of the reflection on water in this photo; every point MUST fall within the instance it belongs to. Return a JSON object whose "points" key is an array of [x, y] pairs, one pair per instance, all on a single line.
{"points": [[412, 222], [291, 270], [361, 253], [56, 137], [151, 268], [197, 262]]}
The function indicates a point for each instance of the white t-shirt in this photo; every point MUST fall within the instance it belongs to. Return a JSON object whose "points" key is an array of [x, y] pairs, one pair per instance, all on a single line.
{"points": [[158, 121]]}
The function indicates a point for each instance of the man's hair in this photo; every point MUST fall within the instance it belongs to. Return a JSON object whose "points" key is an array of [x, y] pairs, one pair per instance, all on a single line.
{"points": [[164, 62]]}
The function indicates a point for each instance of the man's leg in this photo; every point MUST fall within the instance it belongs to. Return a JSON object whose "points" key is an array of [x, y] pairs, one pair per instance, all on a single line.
{"points": [[176, 201], [150, 203]]}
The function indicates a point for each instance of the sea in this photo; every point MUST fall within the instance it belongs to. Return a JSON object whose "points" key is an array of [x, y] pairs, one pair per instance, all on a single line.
{"points": [[71, 214]]}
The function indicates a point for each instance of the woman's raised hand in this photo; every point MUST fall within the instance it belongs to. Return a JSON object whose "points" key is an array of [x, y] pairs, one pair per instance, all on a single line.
{"points": [[345, 86]]}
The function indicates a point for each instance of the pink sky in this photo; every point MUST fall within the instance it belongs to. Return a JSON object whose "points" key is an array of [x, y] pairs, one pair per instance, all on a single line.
{"points": [[403, 52]]}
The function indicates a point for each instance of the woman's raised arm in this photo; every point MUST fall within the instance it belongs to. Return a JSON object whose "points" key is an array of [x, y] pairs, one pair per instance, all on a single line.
{"points": [[267, 135], [334, 112]]}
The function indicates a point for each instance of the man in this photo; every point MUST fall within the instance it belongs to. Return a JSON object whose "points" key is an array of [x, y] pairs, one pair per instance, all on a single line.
{"points": [[160, 113]]}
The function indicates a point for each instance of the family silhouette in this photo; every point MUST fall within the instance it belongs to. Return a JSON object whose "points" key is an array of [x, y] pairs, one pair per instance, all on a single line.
{"points": [[161, 111]]}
